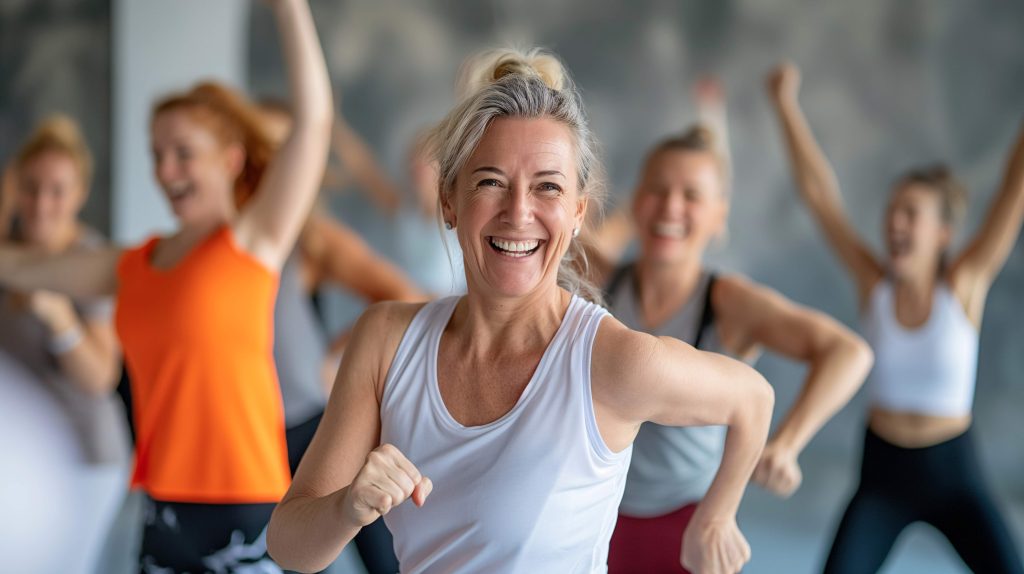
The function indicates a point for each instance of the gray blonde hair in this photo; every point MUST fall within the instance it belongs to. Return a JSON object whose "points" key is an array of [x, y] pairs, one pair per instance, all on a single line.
{"points": [[520, 84]]}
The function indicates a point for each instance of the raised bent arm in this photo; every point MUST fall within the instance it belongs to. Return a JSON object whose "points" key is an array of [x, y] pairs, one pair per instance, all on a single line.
{"points": [[838, 362], [638, 378], [345, 480], [988, 251], [269, 224], [79, 274], [343, 258], [817, 182], [362, 166]]}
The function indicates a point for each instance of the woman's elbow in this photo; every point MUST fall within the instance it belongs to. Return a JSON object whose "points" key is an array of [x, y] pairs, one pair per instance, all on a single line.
{"points": [[278, 549], [758, 402], [856, 355]]}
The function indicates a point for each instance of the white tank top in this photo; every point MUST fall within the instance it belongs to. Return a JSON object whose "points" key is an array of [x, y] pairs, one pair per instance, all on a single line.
{"points": [[929, 370], [534, 491]]}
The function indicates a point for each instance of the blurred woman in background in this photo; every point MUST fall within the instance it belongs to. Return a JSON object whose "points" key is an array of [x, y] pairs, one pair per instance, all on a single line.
{"points": [[194, 310], [921, 309], [67, 344]]}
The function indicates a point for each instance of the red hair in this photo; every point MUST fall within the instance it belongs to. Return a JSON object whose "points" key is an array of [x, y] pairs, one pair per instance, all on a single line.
{"points": [[232, 119]]}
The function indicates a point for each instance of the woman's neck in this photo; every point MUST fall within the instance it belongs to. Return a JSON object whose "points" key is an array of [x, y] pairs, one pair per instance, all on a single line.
{"points": [[662, 288], [58, 241], [488, 326]]}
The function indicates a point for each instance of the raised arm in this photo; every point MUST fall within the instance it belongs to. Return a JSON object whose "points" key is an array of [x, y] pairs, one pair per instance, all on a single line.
{"points": [[975, 269], [341, 257], [345, 480], [817, 183], [78, 274], [711, 111], [837, 359], [639, 377], [269, 224], [361, 165], [604, 241]]}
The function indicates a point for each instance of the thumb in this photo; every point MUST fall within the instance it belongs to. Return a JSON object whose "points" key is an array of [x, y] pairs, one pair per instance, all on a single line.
{"points": [[422, 491]]}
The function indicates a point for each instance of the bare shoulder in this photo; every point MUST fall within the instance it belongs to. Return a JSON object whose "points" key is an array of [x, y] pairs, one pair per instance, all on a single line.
{"points": [[737, 294], [386, 320], [376, 336], [620, 357]]}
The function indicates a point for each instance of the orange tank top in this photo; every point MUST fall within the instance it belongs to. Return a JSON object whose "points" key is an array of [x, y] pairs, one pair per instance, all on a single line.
{"points": [[198, 342]]}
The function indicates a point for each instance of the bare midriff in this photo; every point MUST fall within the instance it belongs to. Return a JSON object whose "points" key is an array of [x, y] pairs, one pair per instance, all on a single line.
{"points": [[914, 430]]}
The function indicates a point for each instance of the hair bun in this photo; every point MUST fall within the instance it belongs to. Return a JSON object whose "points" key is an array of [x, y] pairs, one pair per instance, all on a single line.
{"points": [[488, 67]]}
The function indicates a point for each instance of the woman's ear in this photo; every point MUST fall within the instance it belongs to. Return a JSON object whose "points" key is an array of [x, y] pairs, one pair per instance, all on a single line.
{"points": [[234, 156], [581, 211], [447, 213]]}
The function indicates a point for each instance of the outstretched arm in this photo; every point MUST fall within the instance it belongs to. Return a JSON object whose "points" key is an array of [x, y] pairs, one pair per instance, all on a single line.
{"points": [[817, 183], [639, 377], [269, 224], [974, 270], [78, 274]]}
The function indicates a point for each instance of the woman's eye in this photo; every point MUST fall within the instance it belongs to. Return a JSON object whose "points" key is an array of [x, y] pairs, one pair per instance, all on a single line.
{"points": [[549, 188], [489, 183]]}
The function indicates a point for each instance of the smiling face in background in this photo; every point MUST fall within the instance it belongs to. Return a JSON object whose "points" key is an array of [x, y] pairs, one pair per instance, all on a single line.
{"points": [[195, 170], [51, 192], [679, 205], [515, 204], [915, 231]]}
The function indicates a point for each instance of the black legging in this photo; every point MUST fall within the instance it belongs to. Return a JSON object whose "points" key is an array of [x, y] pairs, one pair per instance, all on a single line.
{"points": [[187, 537], [374, 542], [941, 485]]}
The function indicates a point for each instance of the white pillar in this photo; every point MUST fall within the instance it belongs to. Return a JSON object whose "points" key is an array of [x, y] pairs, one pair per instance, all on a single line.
{"points": [[161, 46]]}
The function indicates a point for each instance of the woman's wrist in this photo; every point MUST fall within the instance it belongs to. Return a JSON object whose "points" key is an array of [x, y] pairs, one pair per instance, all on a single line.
{"points": [[66, 339]]}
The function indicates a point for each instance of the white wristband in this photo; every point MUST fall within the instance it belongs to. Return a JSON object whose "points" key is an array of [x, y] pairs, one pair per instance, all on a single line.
{"points": [[66, 341]]}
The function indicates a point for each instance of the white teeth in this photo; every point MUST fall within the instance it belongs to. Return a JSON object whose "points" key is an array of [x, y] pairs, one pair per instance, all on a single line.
{"points": [[179, 189], [669, 230], [516, 247]]}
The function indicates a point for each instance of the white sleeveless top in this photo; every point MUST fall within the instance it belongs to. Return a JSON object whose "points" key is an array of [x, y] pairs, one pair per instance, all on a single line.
{"points": [[929, 370], [534, 491]]}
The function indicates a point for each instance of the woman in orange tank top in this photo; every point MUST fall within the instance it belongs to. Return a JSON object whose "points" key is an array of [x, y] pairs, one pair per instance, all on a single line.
{"points": [[194, 311]]}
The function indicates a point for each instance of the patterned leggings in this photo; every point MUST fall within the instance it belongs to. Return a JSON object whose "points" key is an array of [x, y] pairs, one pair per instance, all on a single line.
{"points": [[205, 538]]}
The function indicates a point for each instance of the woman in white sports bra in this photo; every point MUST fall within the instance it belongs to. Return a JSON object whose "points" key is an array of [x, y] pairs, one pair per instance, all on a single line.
{"points": [[921, 313], [507, 415]]}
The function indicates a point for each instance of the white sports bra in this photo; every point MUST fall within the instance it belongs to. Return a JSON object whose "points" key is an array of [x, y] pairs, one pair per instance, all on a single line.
{"points": [[930, 370]]}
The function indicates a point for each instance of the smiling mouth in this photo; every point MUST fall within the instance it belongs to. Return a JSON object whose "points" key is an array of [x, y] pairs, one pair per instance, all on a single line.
{"points": [[516, 249], [668, 230], [899, 247], [180, 191]]}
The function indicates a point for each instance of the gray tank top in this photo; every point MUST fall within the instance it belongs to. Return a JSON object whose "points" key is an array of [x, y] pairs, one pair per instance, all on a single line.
{"points": [[672, 466], [99, 421], [299, 346]]}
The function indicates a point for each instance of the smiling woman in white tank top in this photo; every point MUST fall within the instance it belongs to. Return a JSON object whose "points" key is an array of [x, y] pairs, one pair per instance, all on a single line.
{"points": [[507, 415], [921, 311]]}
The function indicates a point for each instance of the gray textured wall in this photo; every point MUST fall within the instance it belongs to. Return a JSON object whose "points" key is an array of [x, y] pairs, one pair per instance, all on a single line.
{"points": [[55, 57], [887, 85]]}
